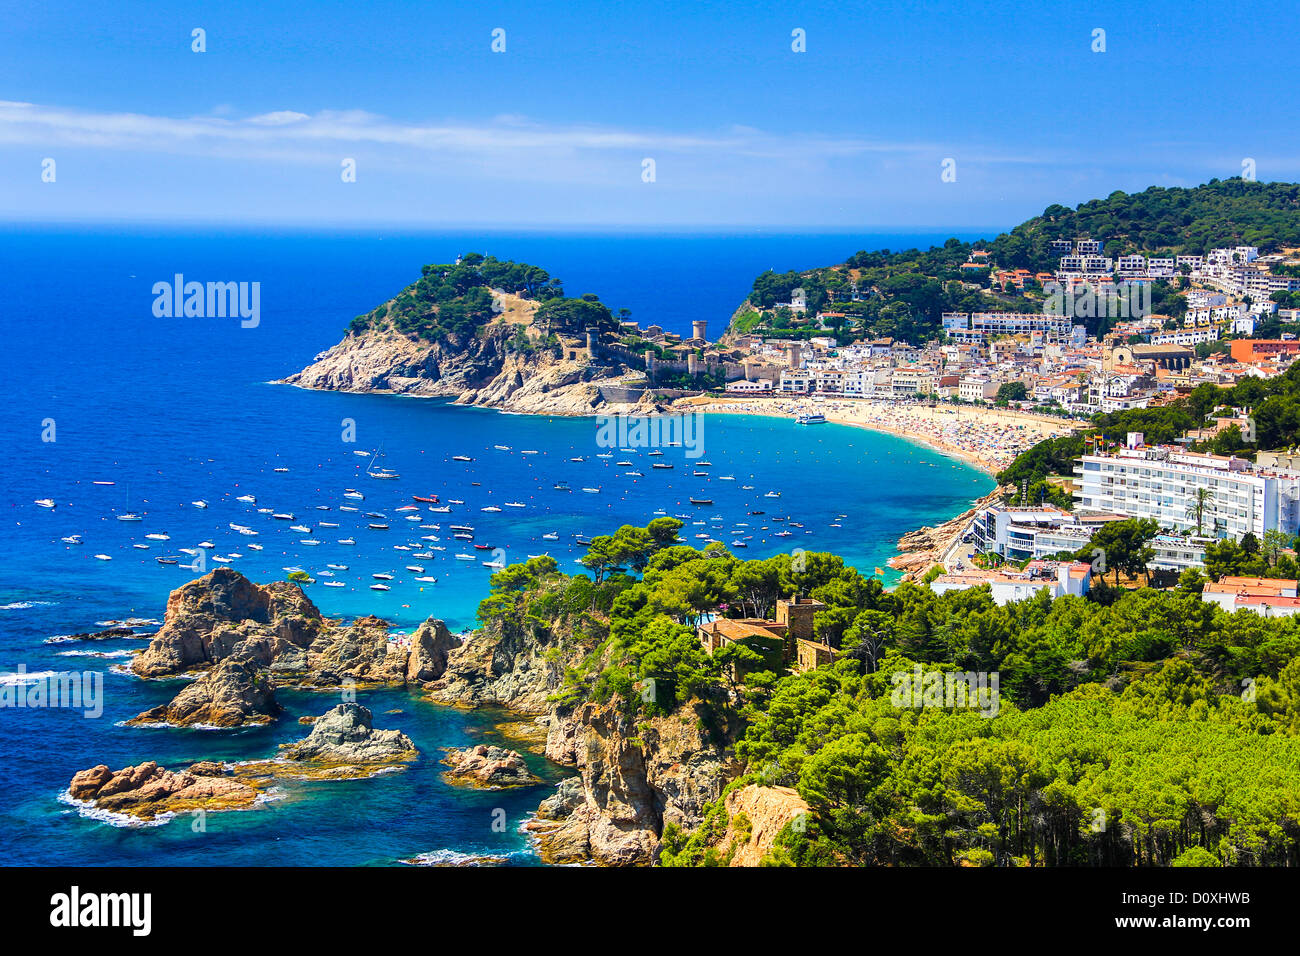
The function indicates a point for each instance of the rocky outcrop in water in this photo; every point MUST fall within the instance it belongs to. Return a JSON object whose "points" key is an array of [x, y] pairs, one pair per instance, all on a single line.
{"points": [[505, 668], [207, 619], [431, 646], [487, 767], [147, 790], [346, 735], [236, 692]]}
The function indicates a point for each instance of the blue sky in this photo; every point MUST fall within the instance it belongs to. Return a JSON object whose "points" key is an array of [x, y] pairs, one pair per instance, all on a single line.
{"points": [[553, 132]]}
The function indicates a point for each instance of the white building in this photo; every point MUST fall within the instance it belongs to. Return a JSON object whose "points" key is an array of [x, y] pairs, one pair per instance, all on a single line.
{"points": [[1162, 483]]}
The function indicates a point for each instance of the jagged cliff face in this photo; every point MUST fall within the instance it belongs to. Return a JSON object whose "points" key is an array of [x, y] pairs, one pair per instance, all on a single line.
{"points": [[633, 776], [480, 370]]}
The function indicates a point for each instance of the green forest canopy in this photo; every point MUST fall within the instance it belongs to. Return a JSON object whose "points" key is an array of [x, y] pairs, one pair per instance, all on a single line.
{"points": [[1146, 728]]}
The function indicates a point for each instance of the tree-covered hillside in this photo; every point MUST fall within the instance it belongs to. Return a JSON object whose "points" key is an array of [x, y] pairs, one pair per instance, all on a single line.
{"points": [[903, 294], [456, 299], [1143, 728]]}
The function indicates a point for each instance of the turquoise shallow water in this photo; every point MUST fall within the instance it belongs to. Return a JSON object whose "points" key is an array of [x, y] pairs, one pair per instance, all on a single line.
{"points": [[176, 411]]}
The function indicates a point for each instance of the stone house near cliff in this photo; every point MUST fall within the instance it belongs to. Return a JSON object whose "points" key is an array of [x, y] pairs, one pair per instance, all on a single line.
{"points": [[788, 640]]}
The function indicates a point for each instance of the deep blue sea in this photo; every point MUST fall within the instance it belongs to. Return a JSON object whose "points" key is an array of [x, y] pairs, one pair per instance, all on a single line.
{"points": [[171, 411]]}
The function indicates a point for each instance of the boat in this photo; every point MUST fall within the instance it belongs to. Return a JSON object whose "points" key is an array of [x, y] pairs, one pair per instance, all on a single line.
{"points": [[363, 454], [221, 560], [427, 499], [427, 579], [102, 557], [382, 576], [529, 451], [773, 494], [490, 508], [654, 454], [322, 507], [552, 536], [199, 504], [300, 528], [348, 508], [158, 537], [483, 547], [161, 560], [592, 491], [406, 508], [577, 459], [256, 547], [461, 527], [464, 557], [495, 565], [207, 544], [699, 474], [756, 512], [103, 482], [662, 465], [265, 511], [501, 447], [701, 501], [381, 473], [704, 464], [623, 464], [442, 510], [739, 544], [418, 569], [310, 542], [283, 516], [423, 555], [354, 495], [334, 584], [247, 499], [454, 501], [380, 587], [515, 504], [379, 527], [461, 458], [282, 470], [813, 419], [328, 524], [463, 536], [347, 540], [130, 516], [72, 539]]}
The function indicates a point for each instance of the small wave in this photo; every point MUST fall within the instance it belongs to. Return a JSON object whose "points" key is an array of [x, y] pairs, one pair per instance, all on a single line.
{"points": [[92, 812], [96, 653], [23, 605], [16, 680], [457, 858]]}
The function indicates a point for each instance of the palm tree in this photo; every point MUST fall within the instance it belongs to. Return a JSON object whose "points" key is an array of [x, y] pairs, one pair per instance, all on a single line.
{"points": [[1202, 501]]}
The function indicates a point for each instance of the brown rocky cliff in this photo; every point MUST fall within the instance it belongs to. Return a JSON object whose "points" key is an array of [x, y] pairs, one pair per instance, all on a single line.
{"points": [[483, 370], [632, 779]]}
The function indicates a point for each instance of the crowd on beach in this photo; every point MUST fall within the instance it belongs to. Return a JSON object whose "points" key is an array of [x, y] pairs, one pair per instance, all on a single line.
{"points": [[986, 437]]}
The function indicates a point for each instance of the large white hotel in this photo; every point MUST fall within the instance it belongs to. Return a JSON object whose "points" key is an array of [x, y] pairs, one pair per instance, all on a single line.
{"points": [[1142, 481]]}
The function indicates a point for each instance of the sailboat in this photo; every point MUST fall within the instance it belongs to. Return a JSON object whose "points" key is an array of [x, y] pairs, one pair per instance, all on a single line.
{"points": [[381, 473]]}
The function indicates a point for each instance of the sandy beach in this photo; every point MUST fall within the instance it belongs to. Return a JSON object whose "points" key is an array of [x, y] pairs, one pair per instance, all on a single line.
{"points": [[984, 437]]}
